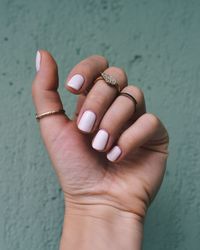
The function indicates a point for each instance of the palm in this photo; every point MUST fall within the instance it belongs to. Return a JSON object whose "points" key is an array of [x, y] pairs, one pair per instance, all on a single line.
{"points": [[83, 171]]}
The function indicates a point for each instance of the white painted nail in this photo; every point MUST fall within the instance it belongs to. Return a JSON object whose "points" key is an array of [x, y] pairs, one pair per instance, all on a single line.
{"points": [[87, 121], [114, 153], [100, 140], [37, 61], [76, 82]]}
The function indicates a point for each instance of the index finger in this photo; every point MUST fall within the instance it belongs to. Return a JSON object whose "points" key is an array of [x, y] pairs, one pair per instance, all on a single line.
{"points": [[82, 76]]}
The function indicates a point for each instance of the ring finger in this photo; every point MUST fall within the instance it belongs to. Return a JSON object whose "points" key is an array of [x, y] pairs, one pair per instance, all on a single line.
{"points": [[122, 111]]}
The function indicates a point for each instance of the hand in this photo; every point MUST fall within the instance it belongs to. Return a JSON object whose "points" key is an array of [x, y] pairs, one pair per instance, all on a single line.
{"points": [[126, 178]]}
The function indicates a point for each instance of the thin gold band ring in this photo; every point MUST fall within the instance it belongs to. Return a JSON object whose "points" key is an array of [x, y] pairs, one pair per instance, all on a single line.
{"points": [[52, 112], [129, 96]]}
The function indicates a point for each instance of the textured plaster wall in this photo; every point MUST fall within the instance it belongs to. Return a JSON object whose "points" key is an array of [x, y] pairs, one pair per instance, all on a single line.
{"points": [[158, 43]]}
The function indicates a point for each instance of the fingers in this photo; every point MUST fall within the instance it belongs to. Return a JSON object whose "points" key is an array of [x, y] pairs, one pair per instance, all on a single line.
{"points": [[99, 100], [117, 116], [121, 125], [45, 95], [146, 131], [84, 73]]}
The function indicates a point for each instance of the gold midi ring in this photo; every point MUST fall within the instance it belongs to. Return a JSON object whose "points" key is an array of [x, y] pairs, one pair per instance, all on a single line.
{"points": [[109, 79], [52, 112], [129, 96]]}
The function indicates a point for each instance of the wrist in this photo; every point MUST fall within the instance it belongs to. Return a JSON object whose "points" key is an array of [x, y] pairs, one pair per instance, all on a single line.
{"points": [[100, 227]]}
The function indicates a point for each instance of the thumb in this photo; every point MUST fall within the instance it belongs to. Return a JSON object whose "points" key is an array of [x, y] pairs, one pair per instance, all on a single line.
{"points": [[46, 97]]}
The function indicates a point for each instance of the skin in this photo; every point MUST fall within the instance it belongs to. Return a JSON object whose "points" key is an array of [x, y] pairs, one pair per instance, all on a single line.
{"points": [[104, 199]]}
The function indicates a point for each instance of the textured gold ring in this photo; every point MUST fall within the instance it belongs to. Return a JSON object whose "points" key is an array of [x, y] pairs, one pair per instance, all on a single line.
{"points": [[109, 79], [48, 113]]}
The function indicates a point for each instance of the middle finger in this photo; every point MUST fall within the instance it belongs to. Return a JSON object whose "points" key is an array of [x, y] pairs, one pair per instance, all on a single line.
{"points": [[98, 100]]}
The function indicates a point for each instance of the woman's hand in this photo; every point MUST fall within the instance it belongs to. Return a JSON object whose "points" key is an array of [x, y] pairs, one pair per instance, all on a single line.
{"points": [[110, 159]]}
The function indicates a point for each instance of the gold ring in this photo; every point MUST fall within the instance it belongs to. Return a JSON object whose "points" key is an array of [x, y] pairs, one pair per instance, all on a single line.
{"points": [[130, 97], [109, 79], [52, 112]]}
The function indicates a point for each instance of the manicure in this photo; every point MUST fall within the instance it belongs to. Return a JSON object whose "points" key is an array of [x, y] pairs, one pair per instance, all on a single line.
{"points": [[37, 61], [76, 82], [87, 121], [114, 153], [100, 140]]}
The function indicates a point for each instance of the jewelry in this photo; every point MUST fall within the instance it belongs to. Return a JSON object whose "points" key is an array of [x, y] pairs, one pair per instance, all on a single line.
{"points": [[52, 112], [109, 79], [130, 97]]}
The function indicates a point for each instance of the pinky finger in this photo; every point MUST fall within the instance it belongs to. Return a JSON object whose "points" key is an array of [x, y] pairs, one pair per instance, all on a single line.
{"points": [[147, 132]]}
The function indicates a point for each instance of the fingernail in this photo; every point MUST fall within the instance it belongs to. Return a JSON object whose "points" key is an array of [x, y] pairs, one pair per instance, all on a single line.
{"points": [[76, 82], [100, 140], [87, 121], [114, 153], [37, 61]]}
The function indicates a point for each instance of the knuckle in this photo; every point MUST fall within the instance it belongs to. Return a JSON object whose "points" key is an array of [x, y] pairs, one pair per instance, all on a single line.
{"points": [[85, 64], [91, 63], [153, 119], [119, 71], [139, 93], [101, 59], [86, 68], [95, 60]]}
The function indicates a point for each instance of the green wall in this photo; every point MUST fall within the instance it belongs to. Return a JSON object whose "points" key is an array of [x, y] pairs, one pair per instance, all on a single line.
{"points": [[158, 43]]}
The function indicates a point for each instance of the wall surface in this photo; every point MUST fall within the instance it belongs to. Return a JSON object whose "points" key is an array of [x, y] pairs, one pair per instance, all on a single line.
{"points": [[158, 43]]}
